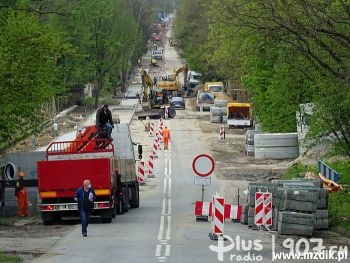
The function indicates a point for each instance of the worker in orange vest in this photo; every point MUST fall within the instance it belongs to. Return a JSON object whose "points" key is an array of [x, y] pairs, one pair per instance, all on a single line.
{"points": [[166, 137], [22, 196]]}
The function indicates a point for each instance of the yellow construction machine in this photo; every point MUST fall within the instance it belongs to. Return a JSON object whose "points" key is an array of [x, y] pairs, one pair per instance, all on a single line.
{"points": [[147, 84], [153, 100], [173, 83]]}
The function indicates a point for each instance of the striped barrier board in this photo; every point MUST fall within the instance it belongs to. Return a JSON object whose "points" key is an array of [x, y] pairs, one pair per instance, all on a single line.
{"points": [[263, 209], [328, 172], [230, 211], [218, 217]]}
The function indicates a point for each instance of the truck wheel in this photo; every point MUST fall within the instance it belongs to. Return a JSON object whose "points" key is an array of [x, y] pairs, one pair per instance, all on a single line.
{"points": [[50, 218], [114, 209], [106, 219], [119, 206], [135, 197], [161, 113], [125, 200], [172, 112]]}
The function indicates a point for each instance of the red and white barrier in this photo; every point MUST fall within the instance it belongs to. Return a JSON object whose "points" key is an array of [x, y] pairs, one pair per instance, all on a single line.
{"points": [[150, 166], [141, 172], [166, 113], [161, 123], [259, 208], [218, 217], [233, 211], [263, 209], [155, 147], [159, 137], [202, 208], [222, 133], [267, 220], [151, 129], [205, 209]]}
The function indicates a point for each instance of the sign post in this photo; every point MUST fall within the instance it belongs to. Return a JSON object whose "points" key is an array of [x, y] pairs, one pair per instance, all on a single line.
{"points": [[203, 166]]}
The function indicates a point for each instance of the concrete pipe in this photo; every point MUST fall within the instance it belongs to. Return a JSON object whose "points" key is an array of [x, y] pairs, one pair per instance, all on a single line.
{"points": [[220, 103], [276, 140], [277, 153], [215, 111], [10, 171]]}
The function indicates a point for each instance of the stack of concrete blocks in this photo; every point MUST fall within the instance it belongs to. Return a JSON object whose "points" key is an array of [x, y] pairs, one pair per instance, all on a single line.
{"points": [[218, 113], [249, 142], [306, 202], [244, 217], [300, 206]]}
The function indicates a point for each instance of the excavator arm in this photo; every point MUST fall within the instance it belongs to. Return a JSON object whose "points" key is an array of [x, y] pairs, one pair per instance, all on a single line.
{"points": [[146, 82], [177, 71]]}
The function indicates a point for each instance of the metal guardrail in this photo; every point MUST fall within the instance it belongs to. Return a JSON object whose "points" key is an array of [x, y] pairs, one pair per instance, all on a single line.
{"points": [[78, 147]]}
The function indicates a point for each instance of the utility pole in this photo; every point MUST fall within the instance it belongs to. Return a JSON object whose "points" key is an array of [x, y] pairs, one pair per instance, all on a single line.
{"points": [[163, 8]]}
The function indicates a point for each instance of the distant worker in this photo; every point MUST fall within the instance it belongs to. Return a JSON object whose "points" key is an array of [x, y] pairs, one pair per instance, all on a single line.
{"points": [[22, 196], [155, 81], [104, 120], [85, 196], [166, 137]]}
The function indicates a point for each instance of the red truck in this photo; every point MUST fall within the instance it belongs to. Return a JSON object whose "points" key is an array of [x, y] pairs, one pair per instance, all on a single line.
{"points": [[69, 163]]}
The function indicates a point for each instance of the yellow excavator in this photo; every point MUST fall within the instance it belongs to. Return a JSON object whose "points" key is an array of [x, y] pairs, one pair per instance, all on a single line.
{"points": [[153, 99], [147, 84], [173, 84]]}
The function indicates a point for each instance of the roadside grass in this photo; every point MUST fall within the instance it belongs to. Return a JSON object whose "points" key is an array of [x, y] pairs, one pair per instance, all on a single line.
{"points": [[338, 203], [9, 259]]}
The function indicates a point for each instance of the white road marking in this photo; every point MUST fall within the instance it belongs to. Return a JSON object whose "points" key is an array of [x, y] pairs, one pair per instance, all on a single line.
{"points": [[168, 231], [166, 212], [166, 164], [161, 228], [169, 191], [169, 166], [163, 207], [169, 206], [167, 250], [158, 250]]}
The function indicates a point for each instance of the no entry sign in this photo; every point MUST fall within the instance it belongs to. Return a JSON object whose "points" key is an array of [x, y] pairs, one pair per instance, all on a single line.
{"points": [[203, 165]]}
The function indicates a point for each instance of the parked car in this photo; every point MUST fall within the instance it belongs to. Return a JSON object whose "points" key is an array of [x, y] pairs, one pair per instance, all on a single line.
{"points": [[177, 102]]}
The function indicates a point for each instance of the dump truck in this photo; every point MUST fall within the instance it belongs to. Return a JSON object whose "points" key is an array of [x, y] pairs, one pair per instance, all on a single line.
{"points": [[239, 115], [109, 165]]}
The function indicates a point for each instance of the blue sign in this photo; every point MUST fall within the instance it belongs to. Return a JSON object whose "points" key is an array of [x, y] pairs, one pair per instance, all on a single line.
{"points": [[328, 172]]}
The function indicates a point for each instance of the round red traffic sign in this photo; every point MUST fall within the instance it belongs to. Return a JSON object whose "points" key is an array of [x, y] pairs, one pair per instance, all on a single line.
{"points": [[203, 165]]}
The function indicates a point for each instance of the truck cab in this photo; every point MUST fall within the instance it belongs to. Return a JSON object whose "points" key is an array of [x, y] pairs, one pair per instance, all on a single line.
{"points": [[215, 87], [193, 79]]}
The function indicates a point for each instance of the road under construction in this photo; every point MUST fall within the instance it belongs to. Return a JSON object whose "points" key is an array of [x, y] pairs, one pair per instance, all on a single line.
{"points": [[164, 227]]}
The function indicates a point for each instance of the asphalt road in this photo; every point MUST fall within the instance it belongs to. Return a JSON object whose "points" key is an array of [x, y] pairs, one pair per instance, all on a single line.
{"points": [[163, 228]]}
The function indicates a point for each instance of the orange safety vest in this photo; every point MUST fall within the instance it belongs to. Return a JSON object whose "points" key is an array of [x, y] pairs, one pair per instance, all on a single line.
{"points": [[166, 134]]}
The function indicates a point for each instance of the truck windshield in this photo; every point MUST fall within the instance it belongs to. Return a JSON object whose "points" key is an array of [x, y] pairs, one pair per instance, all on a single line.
{"points": [[215, 88]]}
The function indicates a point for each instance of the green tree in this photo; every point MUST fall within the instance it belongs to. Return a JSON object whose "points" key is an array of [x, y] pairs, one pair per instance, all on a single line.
{"points": [[28, 56]]}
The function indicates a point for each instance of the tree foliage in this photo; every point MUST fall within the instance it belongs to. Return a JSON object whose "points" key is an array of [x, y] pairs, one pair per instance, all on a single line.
{"points": [[48, 47], [285, 53]]}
